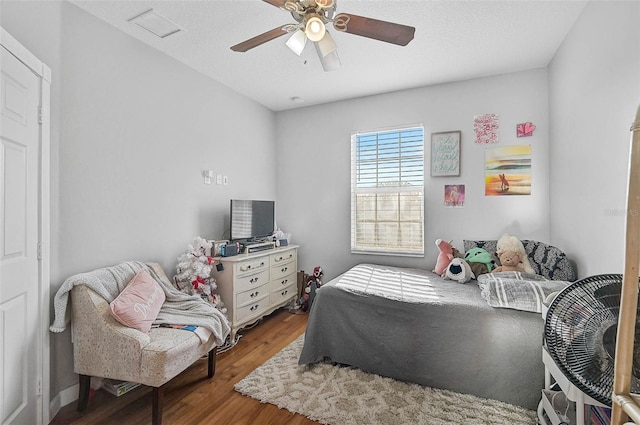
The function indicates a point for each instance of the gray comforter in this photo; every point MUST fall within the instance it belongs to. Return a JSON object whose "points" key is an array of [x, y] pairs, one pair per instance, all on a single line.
{"points": [[411, 325]]}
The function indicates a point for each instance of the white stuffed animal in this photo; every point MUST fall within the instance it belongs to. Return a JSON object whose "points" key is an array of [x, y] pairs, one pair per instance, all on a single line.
{"points": [[459, 270], [509, 243]]}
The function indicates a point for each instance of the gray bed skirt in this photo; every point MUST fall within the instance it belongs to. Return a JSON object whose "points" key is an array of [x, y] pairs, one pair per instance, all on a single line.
{"points": [[457, 342]]}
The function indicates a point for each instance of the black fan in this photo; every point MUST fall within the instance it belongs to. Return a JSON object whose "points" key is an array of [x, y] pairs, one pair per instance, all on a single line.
{"points": [[580, 332]]}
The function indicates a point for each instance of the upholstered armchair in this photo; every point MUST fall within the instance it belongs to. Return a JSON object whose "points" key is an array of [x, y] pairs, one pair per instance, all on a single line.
{"points": [[103, 347]]}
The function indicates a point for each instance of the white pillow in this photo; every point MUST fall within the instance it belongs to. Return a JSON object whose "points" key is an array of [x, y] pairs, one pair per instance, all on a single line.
{"points": [[138, 305]]}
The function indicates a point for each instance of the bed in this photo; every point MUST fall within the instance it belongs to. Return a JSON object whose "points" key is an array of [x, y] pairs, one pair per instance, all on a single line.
{"points": [[412, 325]]}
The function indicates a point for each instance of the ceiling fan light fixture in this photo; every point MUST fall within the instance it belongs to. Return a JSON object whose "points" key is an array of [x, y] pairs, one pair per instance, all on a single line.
{"points": [[297, 41], [314, 28], [331, 61], [326, 45]]}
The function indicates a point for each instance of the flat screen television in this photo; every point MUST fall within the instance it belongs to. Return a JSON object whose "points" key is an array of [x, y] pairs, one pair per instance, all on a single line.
{"points": [[251, 219]]}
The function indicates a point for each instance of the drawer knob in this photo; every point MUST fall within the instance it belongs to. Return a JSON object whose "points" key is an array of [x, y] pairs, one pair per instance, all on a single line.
{"points": [[254, 307], [283, 293], [284, 282], [284, 269], [254, 294], [253, 279]]}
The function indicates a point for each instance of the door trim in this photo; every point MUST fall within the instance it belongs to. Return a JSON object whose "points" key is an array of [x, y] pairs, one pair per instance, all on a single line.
{"points": [[44, 231]]}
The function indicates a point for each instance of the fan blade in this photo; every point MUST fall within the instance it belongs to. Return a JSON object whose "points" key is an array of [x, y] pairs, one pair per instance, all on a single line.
{"points": [[258, 40], [376, 29], [276, 3]]}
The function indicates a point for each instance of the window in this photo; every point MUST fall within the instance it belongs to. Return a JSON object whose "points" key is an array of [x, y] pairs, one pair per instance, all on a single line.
{"points": [[387, 192]]}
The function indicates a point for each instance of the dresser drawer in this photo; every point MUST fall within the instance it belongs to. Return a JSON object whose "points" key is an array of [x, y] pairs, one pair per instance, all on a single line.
{"points": [[282, 270], [250, 281], [251, 266], [252, 295], [284, 294], [283, 282], [283, 258], [253, 309]]}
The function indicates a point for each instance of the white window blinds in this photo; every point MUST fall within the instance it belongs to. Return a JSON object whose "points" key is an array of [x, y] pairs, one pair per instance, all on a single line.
{"points": [[387, 192]]}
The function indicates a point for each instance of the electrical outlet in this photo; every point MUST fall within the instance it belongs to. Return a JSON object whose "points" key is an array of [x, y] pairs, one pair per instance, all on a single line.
{"points": [[219, 179], [225, 180]]}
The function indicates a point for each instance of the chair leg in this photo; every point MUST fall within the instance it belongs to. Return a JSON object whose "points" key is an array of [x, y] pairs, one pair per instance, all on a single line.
{"points": [[211, 361], [83, 396], [156, 405]]}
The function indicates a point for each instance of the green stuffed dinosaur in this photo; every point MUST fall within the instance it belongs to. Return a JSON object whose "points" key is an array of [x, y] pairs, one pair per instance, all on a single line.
{"points": [[480, 261]]}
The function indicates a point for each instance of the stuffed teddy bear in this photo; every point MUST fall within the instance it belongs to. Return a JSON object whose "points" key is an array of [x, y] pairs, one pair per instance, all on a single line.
{"points": [[480, 261], [510, 262], [459, 270], [447, 253], [512, 255]]}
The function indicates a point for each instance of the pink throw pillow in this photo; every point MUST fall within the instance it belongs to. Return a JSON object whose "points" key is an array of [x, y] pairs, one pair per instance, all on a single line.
{"points": [[138, 305]]}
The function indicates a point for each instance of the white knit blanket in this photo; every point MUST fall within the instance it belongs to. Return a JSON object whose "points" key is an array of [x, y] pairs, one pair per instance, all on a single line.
{"points": [[179, 308]]}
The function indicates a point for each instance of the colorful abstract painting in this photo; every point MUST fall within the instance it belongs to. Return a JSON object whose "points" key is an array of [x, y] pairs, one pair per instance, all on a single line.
{"points": [[507, 170], [486, 128], [454, 195]]}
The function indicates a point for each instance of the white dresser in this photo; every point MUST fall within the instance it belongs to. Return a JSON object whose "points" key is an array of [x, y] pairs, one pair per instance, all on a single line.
{"points": [[254, 285]]}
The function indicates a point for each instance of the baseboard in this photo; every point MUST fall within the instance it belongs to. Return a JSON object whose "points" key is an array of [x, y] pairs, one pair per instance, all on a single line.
{"points": [[64, 397]]}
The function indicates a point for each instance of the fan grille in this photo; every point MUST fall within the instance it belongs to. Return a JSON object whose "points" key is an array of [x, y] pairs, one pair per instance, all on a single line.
{"points": [[580, 331]]}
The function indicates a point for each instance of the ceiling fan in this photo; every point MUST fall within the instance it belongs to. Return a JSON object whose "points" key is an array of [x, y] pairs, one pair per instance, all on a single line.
{"points": [[312, 18]]}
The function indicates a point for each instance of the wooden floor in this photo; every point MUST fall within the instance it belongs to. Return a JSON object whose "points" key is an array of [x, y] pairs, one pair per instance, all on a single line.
{"points": [[190, 398]]}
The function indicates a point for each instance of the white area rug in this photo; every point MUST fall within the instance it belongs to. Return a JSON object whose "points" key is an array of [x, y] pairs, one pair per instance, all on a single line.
{"points": [[338, 395]]}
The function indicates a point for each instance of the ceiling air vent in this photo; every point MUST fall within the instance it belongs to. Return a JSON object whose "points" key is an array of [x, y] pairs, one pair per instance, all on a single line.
{"points": [[156, 24]]}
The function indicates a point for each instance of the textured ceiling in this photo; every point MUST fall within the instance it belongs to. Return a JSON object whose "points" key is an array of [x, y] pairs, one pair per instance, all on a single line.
{"points": [[454, 40]]}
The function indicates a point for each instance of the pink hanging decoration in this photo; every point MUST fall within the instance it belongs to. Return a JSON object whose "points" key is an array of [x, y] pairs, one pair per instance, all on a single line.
{"points": [[486, 128], [525, 129]]}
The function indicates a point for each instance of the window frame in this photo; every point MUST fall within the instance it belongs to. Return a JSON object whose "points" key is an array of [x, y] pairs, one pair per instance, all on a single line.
{"points": [[404, 185]]}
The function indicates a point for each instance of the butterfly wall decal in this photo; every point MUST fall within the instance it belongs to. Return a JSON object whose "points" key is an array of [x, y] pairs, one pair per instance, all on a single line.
{"points": [[525, 129]]}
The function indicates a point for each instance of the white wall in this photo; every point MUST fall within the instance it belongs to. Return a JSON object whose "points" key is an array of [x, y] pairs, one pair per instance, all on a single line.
{"points": [[131, 131], [314, 173], [594, 86]]}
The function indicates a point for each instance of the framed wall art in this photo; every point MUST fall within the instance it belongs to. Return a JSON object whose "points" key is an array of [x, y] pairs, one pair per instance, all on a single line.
{"points": [[445, 153], [507, 170], [454, 195]]}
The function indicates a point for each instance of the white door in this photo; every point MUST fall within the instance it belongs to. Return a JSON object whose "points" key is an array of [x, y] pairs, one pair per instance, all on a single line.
{"points": [[20, 306]]}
